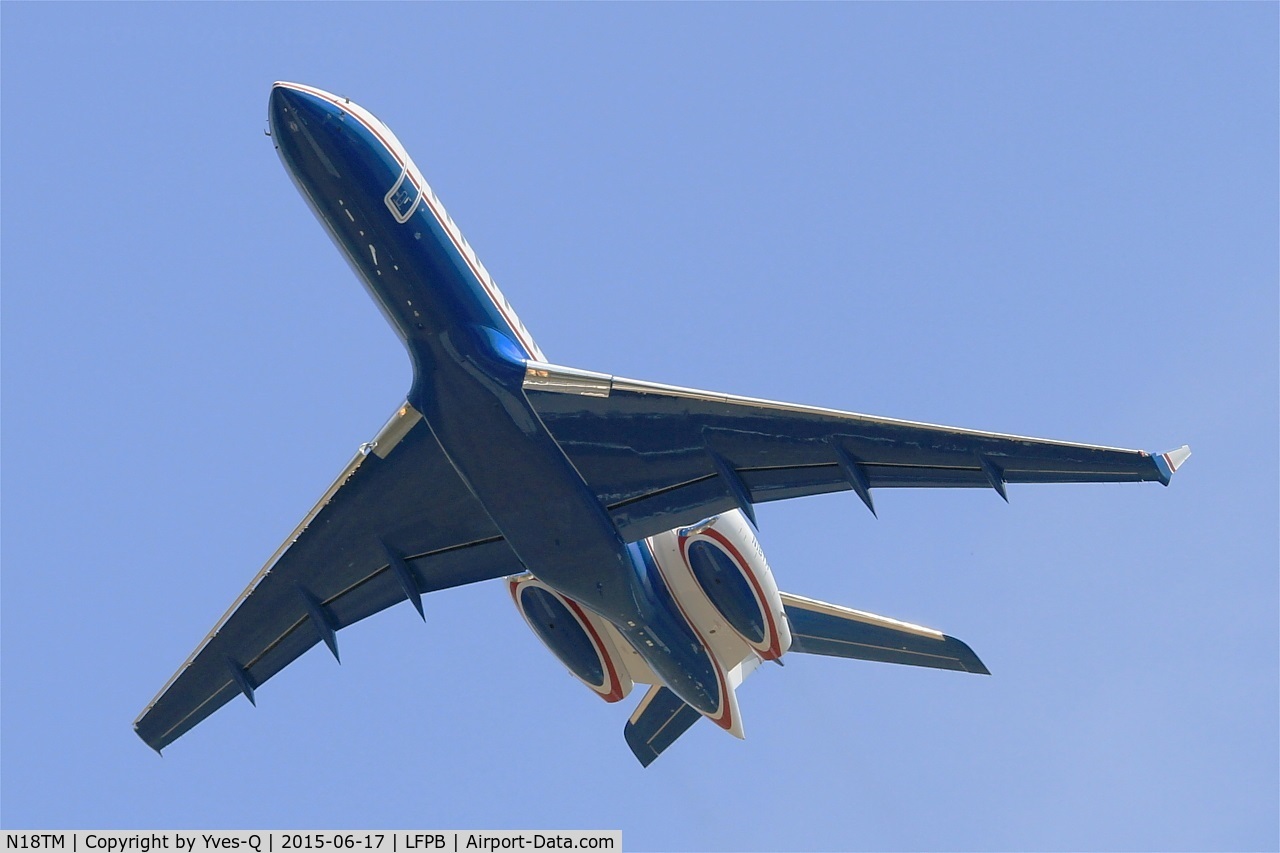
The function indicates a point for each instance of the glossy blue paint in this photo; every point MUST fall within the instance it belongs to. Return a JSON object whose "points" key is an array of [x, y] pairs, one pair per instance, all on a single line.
{"points": [[558, 628], [467, 368], [665, 639], [344, 171], [468, 374], [727, 588]]}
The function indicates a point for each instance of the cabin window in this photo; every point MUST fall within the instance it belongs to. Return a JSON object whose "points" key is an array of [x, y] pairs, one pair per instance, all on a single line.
{"points": [[403, 198]]}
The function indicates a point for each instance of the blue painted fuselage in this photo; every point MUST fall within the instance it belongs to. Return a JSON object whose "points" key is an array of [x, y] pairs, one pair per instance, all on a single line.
{"points": [[469, 356]]}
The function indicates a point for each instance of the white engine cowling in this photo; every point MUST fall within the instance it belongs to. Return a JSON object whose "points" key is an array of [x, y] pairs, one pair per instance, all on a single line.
{"points": [[724, 586], [581, 640]]}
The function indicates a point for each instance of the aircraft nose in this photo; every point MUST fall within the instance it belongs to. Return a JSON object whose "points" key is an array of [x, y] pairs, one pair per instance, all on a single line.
{"points": [[289, 103], [305, 131]]}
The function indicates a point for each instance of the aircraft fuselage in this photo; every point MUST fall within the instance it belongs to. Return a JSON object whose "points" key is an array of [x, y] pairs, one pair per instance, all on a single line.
{"points": [[469, 354]]}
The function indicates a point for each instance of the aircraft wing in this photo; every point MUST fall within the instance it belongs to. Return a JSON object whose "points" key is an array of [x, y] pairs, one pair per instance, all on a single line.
{"points": [[398, 522], [659, 456]]}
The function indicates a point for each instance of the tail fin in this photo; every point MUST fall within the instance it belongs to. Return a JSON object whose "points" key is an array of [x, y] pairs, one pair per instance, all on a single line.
{"points": [[661, 718], [818, 628]]}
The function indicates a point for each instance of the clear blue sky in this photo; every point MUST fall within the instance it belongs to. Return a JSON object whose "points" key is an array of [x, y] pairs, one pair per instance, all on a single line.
{"points": [[1057, 220]]}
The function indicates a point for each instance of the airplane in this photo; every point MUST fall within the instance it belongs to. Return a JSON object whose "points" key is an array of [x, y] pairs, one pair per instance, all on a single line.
{"points": [[620, 512]]}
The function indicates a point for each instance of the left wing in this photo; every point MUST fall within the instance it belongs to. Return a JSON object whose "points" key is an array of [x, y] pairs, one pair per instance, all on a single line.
{"points": [[398, 522], [659, 456]]}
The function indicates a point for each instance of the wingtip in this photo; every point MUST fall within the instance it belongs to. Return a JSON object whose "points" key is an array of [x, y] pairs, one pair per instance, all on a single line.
{"points": [[156, 749], [639, 746], [966, 656], [1169, 462]]}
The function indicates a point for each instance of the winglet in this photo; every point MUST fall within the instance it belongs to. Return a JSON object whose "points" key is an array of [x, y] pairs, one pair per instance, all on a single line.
{"points": [[1167, 463]]}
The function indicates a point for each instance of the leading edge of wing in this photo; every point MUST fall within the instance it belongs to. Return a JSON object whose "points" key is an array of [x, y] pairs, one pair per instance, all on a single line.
{"points": [[555, 378], [1166, 464], [640, 387]]}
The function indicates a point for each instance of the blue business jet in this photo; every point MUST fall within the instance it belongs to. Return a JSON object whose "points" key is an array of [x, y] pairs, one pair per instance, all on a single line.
{"points": [[619, 511]]}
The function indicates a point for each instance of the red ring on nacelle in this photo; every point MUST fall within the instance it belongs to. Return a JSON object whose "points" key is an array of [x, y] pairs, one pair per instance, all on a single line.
{"points": [[770, 650], [612, 690]]}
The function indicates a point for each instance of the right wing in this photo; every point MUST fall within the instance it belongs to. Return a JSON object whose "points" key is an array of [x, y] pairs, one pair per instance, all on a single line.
{"points": [[659, 456], [396, 523]]}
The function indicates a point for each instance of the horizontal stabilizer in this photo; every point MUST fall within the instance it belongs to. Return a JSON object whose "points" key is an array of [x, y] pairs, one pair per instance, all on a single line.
{"points": [[818, 628], [661, 718]]}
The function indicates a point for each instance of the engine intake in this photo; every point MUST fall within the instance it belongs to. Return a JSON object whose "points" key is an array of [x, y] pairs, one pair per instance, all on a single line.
{"points": [[578, 637], [725, 562], [728, 589]]}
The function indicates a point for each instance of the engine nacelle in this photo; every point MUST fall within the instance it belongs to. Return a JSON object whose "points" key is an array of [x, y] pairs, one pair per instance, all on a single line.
{"points": [[581, 640], [719, 575]]}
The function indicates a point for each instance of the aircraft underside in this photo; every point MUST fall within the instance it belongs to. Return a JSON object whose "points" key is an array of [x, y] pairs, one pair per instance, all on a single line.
{"points": [[620, 511]]}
